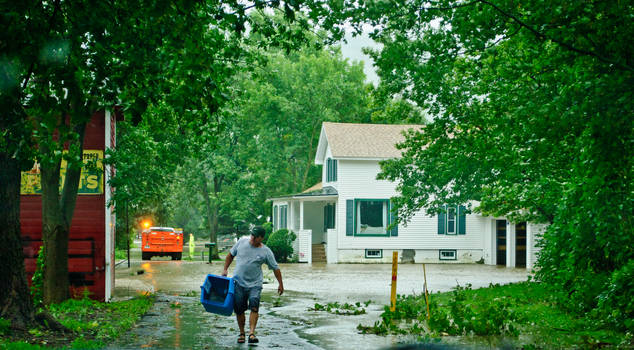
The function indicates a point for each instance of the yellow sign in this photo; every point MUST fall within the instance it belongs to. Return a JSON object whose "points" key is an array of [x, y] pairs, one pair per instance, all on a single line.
{"points": [[90, 182]]}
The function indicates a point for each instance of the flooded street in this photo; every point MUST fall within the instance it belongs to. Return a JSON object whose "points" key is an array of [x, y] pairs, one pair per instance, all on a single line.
{"points": [[178, 320]]}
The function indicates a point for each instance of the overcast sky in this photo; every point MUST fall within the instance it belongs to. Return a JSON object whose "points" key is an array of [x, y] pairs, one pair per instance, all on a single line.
{"points": [[352, 51]]}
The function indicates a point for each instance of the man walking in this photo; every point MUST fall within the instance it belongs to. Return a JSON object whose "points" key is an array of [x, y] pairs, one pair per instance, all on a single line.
{"points": [[251, 254]]}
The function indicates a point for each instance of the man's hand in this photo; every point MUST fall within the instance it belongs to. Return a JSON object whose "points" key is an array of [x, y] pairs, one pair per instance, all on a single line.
{"points": [[278, 276], [228, 261]]}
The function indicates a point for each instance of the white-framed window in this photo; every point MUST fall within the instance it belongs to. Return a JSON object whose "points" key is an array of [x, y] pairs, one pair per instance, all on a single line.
{"points": [[447, 254], [371, 217], [451, 221], [374, 253]]}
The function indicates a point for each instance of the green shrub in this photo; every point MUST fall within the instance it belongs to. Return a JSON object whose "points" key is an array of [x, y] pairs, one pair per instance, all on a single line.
{"points": [[281, 243], [268, 228]]}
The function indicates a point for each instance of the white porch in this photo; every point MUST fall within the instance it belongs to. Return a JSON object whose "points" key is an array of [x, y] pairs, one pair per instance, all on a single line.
{"points": [[311, 216]]}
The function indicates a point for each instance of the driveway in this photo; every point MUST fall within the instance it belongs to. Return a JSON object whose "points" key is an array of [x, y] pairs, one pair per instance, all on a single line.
{"points": [[178, 320]]}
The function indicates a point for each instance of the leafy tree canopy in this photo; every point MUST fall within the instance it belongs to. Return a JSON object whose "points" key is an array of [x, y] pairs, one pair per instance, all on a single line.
{"points": [[532, 106]]}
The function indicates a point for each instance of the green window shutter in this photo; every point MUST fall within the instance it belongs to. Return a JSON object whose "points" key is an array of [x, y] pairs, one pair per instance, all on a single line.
{"points": [[394, 230], [274, 217], [462, 220], [349, 217], [326, 216], [442, 217], [331, 217]]}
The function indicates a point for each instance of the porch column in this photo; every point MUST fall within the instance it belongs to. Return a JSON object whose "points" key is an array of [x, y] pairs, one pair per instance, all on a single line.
{"points": [[489, 242], [529, 246], [301, 215], [291, 212], [510, 244]]}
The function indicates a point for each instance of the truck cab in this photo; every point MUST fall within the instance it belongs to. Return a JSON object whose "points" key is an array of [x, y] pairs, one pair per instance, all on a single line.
{"points": [[161, 241]]}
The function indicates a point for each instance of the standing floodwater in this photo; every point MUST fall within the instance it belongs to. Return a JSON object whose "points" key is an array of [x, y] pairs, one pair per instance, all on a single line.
{"points": [[179, 321]]}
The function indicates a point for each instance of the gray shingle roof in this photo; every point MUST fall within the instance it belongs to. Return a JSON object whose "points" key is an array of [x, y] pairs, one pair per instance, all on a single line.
{"points": [[349, 140]]}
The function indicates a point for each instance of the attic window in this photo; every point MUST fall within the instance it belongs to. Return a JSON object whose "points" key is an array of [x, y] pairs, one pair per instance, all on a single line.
{"points": [[331, 170]]}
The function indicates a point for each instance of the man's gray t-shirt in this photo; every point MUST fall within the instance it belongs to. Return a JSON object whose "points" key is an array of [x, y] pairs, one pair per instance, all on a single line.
{"points": [[248, 272]]}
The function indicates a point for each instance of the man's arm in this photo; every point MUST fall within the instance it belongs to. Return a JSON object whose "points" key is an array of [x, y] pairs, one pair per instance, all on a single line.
{"points": [[278, 275], [228, 261]]}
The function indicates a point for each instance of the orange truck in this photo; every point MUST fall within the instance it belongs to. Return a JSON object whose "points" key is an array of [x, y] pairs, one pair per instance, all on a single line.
{"points": [[162, 241]]}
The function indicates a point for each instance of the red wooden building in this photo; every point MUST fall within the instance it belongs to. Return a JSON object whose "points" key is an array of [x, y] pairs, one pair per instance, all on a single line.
{"points": [[91, 241]]}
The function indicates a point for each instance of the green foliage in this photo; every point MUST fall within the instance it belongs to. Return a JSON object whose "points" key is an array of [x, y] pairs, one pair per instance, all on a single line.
{"points": [[464, 313], [120, 254], [37, 281], [101, 322], [468, 316], [268, 228], [5, 326], [532, 118], [337, 308], [191, 293], [527, 309], [616, 302], [281, 244], [21, 345], [81, 343], [277, 302]]}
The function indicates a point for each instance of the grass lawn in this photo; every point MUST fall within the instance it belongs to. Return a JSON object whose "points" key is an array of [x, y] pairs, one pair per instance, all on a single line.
{"points": [[523, 314], [93, 324]]}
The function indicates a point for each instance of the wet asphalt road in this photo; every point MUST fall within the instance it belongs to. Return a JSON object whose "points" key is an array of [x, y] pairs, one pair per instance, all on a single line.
{"points": [[178, 320]]}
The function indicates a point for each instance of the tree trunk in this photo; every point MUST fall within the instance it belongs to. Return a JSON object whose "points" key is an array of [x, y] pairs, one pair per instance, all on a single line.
{"points": [[55, 236], [15, 299], [212, 220], [217, 189], [57, 214]]}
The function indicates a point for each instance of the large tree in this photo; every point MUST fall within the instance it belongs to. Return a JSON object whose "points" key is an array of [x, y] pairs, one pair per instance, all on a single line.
{"points": [[532, 104], [289, 99], [63, 60]]}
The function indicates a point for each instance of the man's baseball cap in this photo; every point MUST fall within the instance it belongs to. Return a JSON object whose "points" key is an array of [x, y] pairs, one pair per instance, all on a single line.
{"points": [[258, 231]]}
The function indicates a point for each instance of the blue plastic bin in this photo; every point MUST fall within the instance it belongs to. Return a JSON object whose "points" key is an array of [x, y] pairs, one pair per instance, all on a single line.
{"points": [[216, 294]]}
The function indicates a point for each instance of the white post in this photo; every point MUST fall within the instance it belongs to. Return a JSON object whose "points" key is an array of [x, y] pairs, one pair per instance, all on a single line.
{"points": [[488, 252], [510, 244], [109, 238], [331, 252], [291, 222], [301, 215], [529, 246]]}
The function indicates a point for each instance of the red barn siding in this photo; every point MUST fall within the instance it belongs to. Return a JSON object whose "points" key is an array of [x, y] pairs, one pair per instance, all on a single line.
{"points": [[86, 248]]}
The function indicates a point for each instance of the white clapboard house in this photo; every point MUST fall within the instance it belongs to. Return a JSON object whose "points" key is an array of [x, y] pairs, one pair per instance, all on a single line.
{"points": [[344, 219]]}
